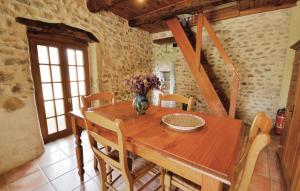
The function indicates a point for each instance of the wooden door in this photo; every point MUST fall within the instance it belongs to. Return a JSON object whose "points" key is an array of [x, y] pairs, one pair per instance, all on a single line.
{"points": [[290, 154], [60, 73]]}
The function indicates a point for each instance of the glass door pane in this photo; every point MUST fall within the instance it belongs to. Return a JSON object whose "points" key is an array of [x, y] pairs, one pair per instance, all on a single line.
{"points": [[52, 88], [76, 67]]}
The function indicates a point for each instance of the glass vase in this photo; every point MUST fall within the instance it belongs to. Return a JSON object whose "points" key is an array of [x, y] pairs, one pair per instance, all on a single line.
{"points": [[140, 103]]}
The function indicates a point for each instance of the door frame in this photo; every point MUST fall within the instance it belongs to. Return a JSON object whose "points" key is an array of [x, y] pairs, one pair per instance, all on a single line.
{"points": [[62, 42]]}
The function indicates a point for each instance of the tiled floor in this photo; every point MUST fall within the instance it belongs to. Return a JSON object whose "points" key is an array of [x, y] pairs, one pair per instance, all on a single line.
{"points": [[56, 170]]}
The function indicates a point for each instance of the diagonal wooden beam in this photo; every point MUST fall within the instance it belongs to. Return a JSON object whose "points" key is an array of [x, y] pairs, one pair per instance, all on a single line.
{"points": [[218, 45], [233, 96], [199, 39], [205, 85], [181, 7], [228, 61]]}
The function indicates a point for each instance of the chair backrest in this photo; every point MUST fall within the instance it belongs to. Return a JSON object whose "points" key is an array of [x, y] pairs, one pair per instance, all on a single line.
{"points": [[177, 98], [259, 138], [106, 96], [92, 119]]}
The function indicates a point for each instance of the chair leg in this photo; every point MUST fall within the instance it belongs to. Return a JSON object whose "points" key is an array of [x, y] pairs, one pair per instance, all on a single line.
{"points": [[103, 174], [108, 168], [128, 185], [95, 163], [161, 179], [167, 182]]}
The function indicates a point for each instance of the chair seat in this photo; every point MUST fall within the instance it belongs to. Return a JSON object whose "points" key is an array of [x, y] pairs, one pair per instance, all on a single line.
{"points": [[140, 167], [137, 165]]}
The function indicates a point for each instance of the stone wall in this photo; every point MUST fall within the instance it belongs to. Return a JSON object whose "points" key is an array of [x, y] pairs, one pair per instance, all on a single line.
{"points": [[257, 45], [121, 51]]}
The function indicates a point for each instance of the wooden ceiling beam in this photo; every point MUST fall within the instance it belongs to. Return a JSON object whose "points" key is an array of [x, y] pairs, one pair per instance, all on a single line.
{"points": [[182, 7], [99, 5]]}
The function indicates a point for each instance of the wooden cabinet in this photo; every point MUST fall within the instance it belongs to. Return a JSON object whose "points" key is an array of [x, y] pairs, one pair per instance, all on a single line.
{"points": [[290, 155]]}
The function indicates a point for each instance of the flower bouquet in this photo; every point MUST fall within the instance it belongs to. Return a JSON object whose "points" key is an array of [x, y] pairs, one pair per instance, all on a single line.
{"points": [[140, 86]]}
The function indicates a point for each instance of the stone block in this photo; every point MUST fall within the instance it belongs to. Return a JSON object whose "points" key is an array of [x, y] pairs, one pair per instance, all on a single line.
{"points": [[12, 104]]}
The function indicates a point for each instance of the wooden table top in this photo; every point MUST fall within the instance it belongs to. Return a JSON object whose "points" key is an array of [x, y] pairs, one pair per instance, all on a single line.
{"points": [[213, 149]]}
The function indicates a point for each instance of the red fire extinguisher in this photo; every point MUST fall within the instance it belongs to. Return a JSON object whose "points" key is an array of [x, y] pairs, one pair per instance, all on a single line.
{"points": [[279, 124]]}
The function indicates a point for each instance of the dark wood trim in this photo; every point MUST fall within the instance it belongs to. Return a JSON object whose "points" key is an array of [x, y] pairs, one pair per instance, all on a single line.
{"points": [[99, 5], [37, 86], [222, 14], [225, 13], [62, 134], [296, 46], [47, 36], [57, 29], [182, 7], [152, 20]]}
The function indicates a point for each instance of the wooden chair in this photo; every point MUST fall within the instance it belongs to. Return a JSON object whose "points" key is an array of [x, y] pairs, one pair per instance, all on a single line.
{"points": [[132, 168], [89, 99], [258, 139], [87, 103], [176, 98]]}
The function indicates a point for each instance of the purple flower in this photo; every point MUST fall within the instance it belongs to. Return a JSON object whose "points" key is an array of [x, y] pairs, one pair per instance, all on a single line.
{"points": [[142, 83]]}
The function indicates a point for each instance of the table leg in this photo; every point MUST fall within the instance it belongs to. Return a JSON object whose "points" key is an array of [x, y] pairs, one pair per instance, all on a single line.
{"points": [[210, 184], [93, 143], [79, 153]]}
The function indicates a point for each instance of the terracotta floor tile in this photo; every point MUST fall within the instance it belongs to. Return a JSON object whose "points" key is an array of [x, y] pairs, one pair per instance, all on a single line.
{"points": [[21, 171], [275, 140], [69, 181], [71, 150], [84, 135], [119, 184], [91, 185], [50, 158], [88, 155], [272, 151], [85, 138], [262, 164], [152, 186], [66, 142], [276, 186], [259, 183], [275, 172], [29, 182], [46, 187], [97, 179], [89, 169], [50, 147], [136, 186], [2, 179], [55, 170], [86, 144], [3, 186]]}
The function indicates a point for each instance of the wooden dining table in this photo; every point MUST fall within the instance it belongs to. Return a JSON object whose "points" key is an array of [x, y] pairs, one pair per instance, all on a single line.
{"points": [[206, 156]]}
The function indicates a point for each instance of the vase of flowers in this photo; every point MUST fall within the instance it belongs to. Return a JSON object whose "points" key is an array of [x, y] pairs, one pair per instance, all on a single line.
{"points": [[140, 86]]}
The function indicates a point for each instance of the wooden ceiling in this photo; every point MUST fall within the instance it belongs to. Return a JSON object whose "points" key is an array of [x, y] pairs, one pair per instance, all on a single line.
{"points": [[150, 14]]}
